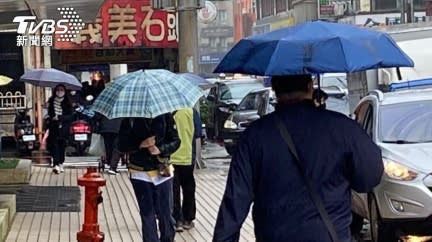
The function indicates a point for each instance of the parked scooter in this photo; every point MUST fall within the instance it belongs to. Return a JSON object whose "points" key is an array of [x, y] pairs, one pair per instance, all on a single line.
{"points": [[25, 137], [81, 130]]}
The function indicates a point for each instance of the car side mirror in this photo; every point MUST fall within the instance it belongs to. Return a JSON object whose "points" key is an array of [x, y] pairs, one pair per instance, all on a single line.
{"points": [[211, 98], [233, 107]]}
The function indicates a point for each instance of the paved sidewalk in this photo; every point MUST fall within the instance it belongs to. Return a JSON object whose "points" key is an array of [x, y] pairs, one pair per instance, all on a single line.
{"points": [[118, 215]]}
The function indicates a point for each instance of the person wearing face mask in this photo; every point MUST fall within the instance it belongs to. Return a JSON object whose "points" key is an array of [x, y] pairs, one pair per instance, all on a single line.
{"points": [[60, 115]]}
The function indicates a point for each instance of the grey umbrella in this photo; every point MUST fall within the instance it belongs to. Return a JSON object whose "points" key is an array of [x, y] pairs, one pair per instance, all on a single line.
{"points": [[50, 77]]}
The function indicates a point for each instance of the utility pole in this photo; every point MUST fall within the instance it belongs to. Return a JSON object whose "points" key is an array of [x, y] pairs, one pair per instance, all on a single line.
{"points": [[403, 11], [188, 41], [410, 11]]}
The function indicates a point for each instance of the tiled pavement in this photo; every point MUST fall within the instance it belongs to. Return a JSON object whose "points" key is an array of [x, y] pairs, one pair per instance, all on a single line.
{"points": [[118, 215]]}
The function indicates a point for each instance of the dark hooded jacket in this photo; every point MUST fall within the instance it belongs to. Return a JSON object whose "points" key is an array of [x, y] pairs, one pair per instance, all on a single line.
{"points": [[337, 156], [131, 136], [59, 128]]}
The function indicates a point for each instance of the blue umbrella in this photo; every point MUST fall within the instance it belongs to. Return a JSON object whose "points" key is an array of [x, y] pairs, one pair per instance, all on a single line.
{"points": [[50, 77], [314, 47], [198, 80]]}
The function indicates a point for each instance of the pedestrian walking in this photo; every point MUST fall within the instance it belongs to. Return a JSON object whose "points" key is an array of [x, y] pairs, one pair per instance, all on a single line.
{"points": [[297, 166], [60, 116], [109, 129], [188, 124], [148, 142]]}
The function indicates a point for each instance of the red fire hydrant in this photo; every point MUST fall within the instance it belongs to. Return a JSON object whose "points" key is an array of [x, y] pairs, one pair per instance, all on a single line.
{"points": [[91, 180]]}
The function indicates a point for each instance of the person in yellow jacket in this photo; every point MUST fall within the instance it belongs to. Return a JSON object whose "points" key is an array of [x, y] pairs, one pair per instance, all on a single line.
{"points": [[188, 126]]}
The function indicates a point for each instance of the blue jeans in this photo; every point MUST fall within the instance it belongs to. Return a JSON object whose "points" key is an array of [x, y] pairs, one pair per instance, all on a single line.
{"points": [[155, 202]]}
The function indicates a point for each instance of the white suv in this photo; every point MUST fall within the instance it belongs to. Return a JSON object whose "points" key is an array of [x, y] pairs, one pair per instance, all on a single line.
{"points": [[400, 123]]}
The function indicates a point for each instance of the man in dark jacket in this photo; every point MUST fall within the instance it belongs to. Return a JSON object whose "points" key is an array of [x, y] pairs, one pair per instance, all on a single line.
{"points": [[109, 129], [148, 141], [336, 154]]}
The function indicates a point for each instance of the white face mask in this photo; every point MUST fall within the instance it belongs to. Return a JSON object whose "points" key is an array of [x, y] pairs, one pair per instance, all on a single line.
{"points": [[60, 93]]}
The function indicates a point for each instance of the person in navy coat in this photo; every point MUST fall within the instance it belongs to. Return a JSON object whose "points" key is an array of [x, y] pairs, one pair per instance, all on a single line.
{"points": [[337, 155]]}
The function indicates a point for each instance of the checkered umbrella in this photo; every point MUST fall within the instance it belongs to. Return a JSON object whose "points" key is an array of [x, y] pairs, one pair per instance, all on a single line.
{"points": [[146, 93]]}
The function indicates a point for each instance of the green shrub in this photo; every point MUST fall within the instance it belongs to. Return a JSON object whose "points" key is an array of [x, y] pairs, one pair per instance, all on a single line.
{"points": [[204, 111]]}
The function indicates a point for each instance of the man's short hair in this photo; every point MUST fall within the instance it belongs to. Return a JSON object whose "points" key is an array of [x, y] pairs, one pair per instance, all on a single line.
{"points": [[290, 84]]}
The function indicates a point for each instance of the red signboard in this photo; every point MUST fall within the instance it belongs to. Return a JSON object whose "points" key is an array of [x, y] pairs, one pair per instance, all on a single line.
{"points": [[127, 23]]}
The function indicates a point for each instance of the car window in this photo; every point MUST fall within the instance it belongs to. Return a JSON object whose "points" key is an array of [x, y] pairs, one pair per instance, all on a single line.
{"points": [[360, 113], [251, 101], [368, 123], [213, 91], [406, 122], [237, 90], [334, 81]]}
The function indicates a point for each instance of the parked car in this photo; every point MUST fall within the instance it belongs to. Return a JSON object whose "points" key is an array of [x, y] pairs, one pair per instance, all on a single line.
{"points": [[336, 82], [223, 99], [261, 102], [400, 123], [246, 112]]}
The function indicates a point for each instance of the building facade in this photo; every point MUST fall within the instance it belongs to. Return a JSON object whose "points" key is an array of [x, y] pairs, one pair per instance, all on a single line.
{"points": [[272, 14], [215, 33]]}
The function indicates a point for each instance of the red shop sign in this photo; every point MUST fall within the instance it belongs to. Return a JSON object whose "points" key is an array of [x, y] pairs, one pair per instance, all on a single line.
{"points": [[127, 23]]}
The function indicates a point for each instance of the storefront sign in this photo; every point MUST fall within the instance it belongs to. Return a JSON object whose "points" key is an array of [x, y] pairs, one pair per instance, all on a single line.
{"points": [[127, 23], [211, 58], [217, 31], [112, 56], [327, 10]]}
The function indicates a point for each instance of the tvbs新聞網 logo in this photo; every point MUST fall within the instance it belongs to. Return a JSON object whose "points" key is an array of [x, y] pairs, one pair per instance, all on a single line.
{"points": [[41, 33]]}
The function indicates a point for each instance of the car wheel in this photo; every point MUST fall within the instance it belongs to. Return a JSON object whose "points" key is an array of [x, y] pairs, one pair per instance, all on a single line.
{"points": [[380, 231], [356, 225]]}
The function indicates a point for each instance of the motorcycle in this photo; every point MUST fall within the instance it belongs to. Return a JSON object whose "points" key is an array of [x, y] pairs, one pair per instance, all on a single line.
{"points": [[80, 130], [25, 137]]}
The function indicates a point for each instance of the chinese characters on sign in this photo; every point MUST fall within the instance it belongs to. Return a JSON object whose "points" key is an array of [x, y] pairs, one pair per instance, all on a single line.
{"points": [[34, 40], [127, 23]]}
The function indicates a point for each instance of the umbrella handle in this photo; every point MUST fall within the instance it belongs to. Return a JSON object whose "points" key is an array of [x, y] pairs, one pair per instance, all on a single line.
{"points": [[399, 75]]}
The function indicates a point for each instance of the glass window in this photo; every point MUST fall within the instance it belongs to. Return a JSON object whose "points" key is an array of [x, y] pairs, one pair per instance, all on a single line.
{"points": [[281, 6], [223, 42], [268, 8], [237, 90], [250, 102], [222, 16], [360, 113], [213, 42], [419, 4], [338, 81], [406, 122], [386, 4]]}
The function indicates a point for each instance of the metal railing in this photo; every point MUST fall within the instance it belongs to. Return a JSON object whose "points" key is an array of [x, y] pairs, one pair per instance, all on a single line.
{"points": [[11, 101]]}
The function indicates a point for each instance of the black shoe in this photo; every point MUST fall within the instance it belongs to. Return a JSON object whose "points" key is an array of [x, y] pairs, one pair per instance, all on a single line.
{"points": [[188, 225], [179, 227]]}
